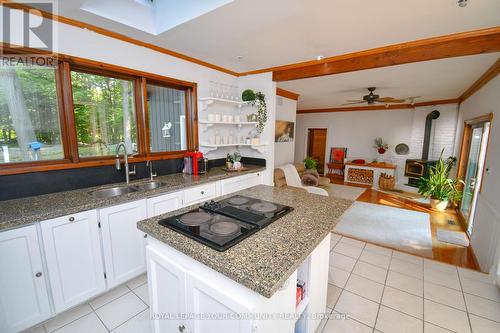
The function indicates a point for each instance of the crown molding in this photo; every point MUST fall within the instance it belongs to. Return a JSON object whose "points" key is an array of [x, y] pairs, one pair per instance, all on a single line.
{"points": [[112, 34]]}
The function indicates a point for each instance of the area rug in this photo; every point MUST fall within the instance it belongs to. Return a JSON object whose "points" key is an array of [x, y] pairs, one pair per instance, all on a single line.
{"points": [[452, 237], [394, 227], [344, 191]]}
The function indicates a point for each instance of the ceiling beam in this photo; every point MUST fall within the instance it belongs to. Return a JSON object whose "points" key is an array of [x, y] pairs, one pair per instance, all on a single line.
{"points": [[489, 75], [287, 94], [438, 102], [454, 45], [380, 106]]}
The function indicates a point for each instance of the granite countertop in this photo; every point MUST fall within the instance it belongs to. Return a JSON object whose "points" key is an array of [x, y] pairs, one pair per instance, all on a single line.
{"points": [[18, 212], [265, 260]]}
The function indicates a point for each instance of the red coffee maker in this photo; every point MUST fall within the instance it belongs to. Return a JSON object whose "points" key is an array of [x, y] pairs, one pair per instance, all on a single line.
{"points": [[194, 163]]}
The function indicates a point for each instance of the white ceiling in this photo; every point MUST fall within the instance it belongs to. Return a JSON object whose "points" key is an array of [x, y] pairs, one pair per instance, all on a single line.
{"points": [[277, 32], [433, 80]]}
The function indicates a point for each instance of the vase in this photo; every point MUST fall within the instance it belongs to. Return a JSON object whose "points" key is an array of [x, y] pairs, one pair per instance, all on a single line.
{"points": [[439, 205], [380, 158]]}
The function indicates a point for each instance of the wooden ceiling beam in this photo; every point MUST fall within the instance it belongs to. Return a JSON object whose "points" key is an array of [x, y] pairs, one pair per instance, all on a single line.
{"points": [[455, 45], [489, 75], [380, 106], [287, 94]]}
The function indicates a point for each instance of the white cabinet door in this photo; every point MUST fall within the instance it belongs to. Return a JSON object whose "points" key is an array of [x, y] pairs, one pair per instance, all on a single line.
{"points": [[318, 283], [214, 301], [164, 203], [167, 293], [200, 193], [24, 300], [123, 243], [236, 184], [74, 258]]}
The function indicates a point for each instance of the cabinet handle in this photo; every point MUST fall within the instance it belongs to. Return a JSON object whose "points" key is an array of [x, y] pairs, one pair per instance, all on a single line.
{"points": [[38, 274], [71, 219], [202, 192], [145, 235], [182, 328]]}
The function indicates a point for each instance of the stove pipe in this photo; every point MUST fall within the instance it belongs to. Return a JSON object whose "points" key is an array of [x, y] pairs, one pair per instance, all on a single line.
{"points": [[427, 134]]}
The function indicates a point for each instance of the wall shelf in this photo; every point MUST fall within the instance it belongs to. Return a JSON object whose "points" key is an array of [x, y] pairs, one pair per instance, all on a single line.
{"points": [[211, 100], [260, 147], [240, 124]]}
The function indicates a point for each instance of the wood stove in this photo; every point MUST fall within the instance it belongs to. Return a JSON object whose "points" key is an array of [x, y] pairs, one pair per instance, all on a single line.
{"points": [[416, 168]]}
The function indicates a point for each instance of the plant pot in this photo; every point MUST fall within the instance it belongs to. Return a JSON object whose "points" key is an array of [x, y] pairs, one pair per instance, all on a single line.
{"points": [[439, 205]]}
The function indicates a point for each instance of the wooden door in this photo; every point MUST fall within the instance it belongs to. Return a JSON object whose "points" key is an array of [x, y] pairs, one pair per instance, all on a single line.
{"points": [[74, 260], [316, 146], [24, 299], [123, 243]]}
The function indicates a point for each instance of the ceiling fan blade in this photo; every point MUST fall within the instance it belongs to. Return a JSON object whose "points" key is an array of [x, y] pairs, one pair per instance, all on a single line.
{"points": [[358, 102], [390, 100]]}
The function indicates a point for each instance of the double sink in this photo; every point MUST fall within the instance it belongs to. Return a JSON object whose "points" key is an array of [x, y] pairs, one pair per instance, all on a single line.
{"points": [[120, 190]]}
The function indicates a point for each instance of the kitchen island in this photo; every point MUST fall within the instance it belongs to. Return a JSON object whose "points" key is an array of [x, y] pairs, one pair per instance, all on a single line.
{"points": [[250, 287]]}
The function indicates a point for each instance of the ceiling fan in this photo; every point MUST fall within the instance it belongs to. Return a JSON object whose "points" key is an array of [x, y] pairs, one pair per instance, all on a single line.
{"points": [[372, 98]]}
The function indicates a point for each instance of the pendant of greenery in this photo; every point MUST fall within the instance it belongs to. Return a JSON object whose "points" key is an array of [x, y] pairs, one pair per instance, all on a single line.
{"points": [[257, 99], [437, 185]]}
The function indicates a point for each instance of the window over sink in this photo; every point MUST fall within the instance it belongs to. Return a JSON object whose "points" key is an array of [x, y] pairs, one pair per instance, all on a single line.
{"points": [[74, 113]]}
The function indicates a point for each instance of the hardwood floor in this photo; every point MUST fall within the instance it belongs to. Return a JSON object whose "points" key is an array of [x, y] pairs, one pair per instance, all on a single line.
{"points": [[444, 252]]}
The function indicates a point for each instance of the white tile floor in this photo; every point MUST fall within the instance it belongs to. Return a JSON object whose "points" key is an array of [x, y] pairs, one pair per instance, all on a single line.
{"points": [[389, 291], [123, 309], [379, 289]]}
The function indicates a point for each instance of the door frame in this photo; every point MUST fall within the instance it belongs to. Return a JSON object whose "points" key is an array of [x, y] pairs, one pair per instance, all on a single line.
{"points": [[326, 145], [464, 156]]}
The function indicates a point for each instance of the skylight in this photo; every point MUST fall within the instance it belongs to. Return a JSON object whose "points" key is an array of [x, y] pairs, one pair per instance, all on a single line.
{"points": [[152, 16]]}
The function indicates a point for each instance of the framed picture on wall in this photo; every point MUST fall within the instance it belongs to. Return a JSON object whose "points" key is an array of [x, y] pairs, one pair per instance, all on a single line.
{"points": [[284, 131], [338, 154]]}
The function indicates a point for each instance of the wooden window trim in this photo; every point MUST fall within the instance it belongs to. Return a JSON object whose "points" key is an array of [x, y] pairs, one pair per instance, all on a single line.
{"points": [[69, 140]]}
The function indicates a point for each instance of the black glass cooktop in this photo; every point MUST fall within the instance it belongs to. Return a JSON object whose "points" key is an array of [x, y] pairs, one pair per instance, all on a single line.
{"points": [[225, 223]]}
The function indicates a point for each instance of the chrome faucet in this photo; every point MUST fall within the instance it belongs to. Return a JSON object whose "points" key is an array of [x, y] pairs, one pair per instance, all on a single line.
{"points": [[151, 173], [125, 157]]}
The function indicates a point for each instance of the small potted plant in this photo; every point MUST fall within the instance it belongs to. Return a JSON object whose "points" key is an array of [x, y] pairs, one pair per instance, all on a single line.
{"points": [[438, 187], [236, 158], [310, 163], [381, 147]]}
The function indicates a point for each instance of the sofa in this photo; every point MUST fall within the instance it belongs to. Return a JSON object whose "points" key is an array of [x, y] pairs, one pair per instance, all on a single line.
{"points": [[280, 181]]}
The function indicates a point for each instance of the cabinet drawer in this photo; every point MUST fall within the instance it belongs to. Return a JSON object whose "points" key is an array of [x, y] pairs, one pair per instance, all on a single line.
{"points": [[240, 183], [164, 203], [199, 193]]}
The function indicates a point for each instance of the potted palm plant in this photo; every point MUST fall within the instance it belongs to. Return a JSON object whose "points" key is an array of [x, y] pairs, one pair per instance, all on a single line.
{"points": [[438, 186]]}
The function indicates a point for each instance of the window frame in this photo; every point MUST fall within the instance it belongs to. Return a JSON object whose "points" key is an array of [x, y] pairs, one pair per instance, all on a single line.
{"points": [[190, 118], [72, 160]]}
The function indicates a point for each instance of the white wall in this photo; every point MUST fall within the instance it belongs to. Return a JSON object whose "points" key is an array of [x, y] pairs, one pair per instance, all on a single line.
{"points": [[357, 130], [265, 84], [286, 109], [485, 238]]}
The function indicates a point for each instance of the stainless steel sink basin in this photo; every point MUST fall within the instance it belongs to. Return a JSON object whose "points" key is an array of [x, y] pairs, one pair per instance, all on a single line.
{"points": [[112, 192], [148, 186]]}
